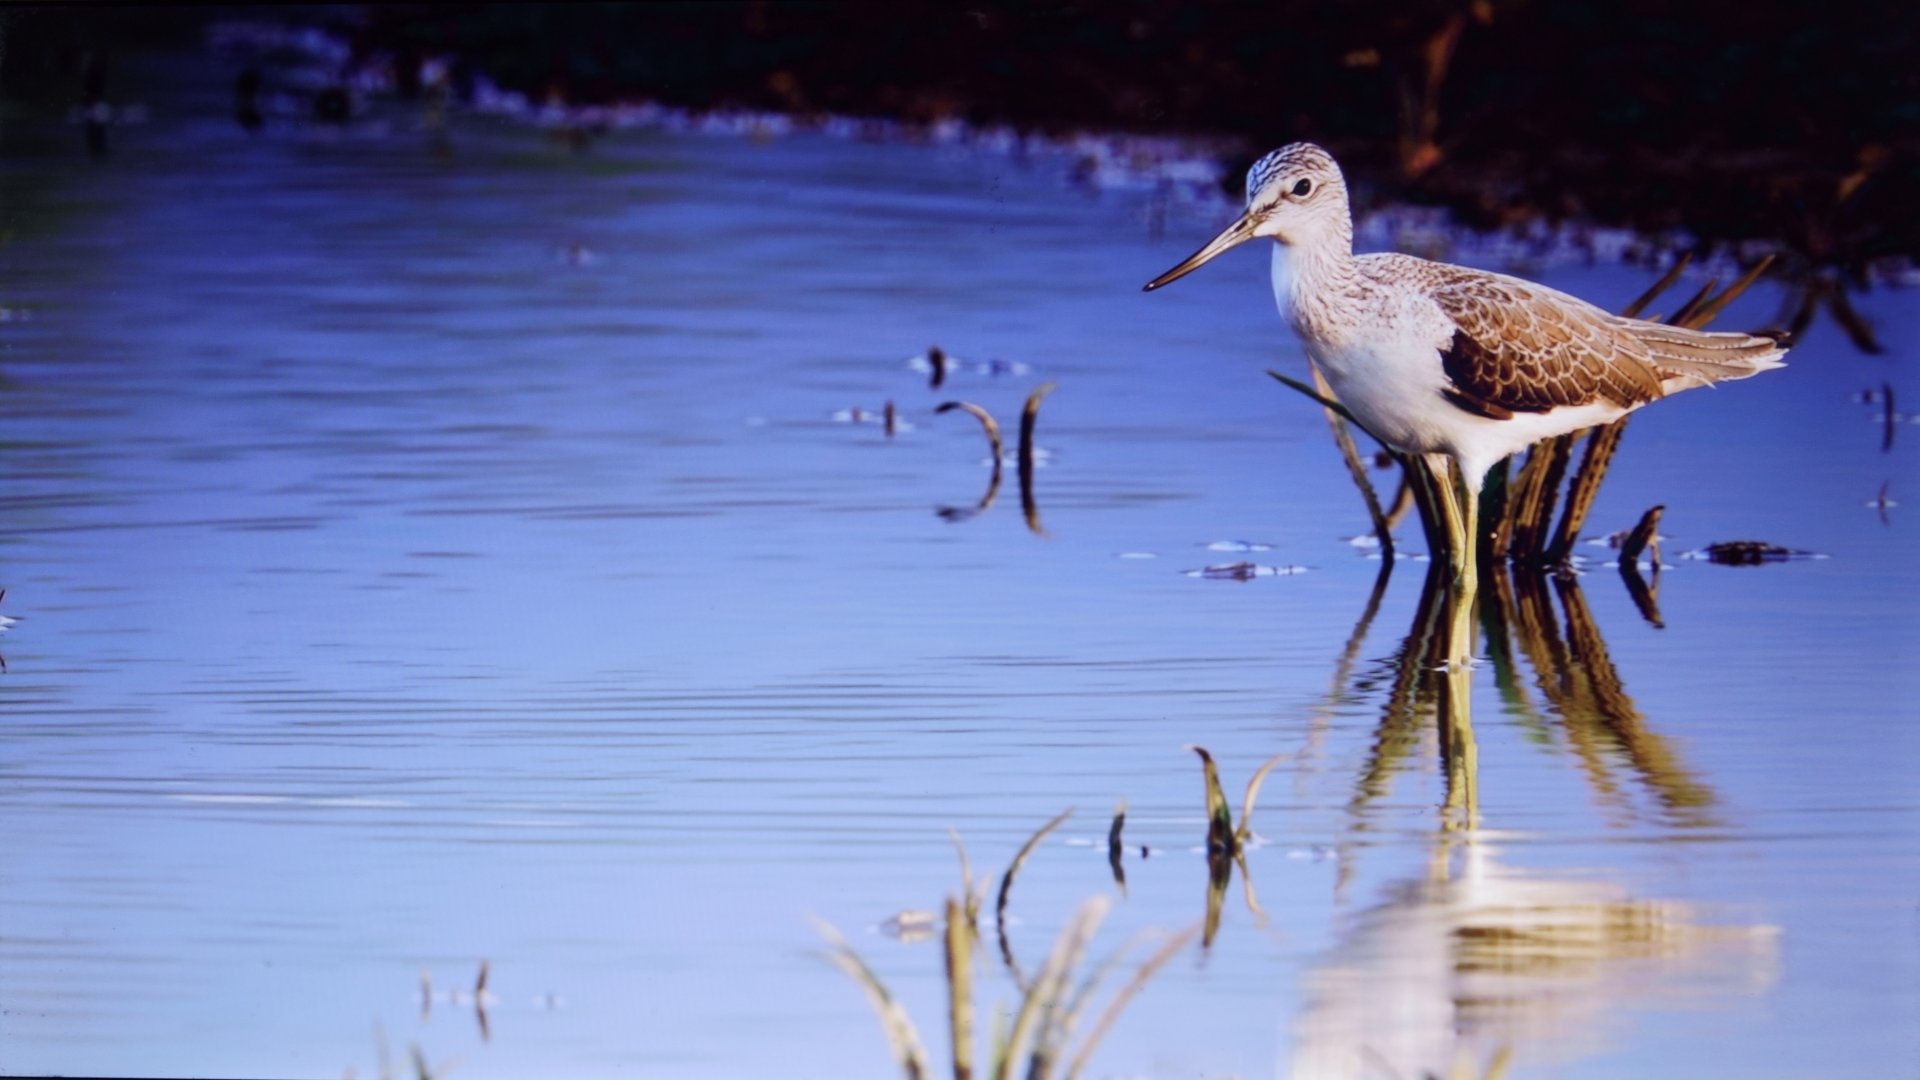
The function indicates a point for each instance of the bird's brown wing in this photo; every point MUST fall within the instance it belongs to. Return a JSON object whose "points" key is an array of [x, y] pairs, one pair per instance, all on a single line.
{"points": [[1522, 348]]}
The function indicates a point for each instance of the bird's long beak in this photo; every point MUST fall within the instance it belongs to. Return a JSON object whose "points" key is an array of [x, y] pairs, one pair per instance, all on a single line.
{"points": [[1233, 235]]}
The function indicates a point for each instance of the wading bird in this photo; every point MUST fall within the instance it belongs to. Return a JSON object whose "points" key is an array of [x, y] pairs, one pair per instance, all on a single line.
{"points": [[1450, 362]]}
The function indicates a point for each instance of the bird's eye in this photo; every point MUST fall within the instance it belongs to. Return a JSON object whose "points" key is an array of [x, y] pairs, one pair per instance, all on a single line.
{"points": [[1301, 189]]}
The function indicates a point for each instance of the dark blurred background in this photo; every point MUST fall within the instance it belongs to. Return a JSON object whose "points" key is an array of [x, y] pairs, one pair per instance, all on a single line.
{"points": [[1734, 120]]}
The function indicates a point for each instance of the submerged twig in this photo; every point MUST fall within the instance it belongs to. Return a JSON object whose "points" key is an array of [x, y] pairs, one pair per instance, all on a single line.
{"points": [[1643, 534], [1355, 467], [994, 447], [937, 366], [1653, 292], [1028, 415]]}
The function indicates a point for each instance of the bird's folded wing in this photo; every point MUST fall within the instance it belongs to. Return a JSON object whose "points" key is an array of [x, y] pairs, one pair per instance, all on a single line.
{"points": [[1518, 347]]}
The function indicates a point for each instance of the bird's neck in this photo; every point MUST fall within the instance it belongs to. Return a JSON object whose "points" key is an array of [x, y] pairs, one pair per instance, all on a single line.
{"points": [[1310, 278]]}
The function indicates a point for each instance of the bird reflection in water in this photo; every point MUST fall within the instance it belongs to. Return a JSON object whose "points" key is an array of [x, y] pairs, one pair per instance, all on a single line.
{"points": [[1473, 960]]}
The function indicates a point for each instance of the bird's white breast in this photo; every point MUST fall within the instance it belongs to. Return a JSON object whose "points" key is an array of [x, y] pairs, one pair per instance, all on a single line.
{"points": [[1379, 349]]}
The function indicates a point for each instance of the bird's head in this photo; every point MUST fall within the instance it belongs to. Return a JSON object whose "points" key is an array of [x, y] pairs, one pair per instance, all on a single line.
{"points": [[1295, 195]]}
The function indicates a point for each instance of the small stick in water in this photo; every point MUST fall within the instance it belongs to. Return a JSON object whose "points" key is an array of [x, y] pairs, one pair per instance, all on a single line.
{"points": [[1027, 417], [1115, 847], [992, 428], [1643, 535], [936, 360]]}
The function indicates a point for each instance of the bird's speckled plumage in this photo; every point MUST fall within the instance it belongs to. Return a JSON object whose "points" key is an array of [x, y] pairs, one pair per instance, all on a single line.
{"points": [[1437, 358]]}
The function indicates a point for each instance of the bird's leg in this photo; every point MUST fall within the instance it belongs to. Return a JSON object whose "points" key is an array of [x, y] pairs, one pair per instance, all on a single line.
{"points": [[1462, 527], [1441, 467]]}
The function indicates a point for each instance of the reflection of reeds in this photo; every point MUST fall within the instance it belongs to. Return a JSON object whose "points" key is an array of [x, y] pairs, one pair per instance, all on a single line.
{"points": [[1571, 670], [1027, 453], [992, 428], [1041, 1036], [1578, 677]]}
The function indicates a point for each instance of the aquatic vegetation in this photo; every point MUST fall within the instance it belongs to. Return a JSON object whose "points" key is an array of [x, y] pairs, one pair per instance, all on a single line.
{"points": [[1227, 842], [1040, 1038], [992, 428]]}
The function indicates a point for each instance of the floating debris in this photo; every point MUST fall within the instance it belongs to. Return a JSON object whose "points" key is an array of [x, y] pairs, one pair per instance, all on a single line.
{"points": [[1364, 541], [1749, 553], [1137, 555], [1243, 571], [886, 416], [1880, 502], [937, 364], [1238, 545], [911, 925]]}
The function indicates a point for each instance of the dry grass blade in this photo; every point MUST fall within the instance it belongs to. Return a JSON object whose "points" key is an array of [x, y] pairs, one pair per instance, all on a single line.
{"points": [[987, 423], [1584, 489], [901, 1034], [1020, 858], [1125, 995], [1219, 815], [1326, 402], [1083, 994], [1356, 468], [959, 943], [1028, 416], [1641, 536], [994, 447], [1687, 310], [1245, 828], [1006, 890], [1045, 994], [970, 891], [1541, 491], [1711, 310], [1653, 292]]}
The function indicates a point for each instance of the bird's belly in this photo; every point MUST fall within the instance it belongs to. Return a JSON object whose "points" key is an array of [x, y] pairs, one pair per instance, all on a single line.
{"points": [[1398, 394], [1395, 393]]}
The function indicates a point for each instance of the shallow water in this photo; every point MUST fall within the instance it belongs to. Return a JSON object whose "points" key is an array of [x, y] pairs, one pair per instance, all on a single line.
{"points": [[399, 592]]}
